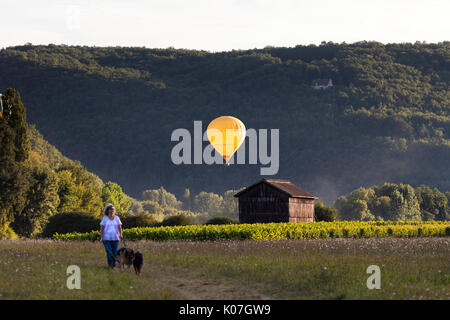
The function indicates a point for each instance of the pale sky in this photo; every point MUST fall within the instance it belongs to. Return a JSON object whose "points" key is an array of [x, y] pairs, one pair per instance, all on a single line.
{"points": [[221, 25]]}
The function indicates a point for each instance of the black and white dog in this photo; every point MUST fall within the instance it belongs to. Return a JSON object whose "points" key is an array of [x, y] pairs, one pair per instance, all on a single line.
{"points": [[138, 262]]}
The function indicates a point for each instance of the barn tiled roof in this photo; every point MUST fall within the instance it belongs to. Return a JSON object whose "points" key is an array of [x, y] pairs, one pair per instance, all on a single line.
{"points": [[285, 186]]}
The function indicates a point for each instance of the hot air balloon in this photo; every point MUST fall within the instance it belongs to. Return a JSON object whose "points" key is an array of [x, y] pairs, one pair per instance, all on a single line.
{"points": [[226, 134]]}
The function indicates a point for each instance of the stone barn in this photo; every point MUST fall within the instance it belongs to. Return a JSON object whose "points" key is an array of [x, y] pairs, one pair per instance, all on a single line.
{"points": [[275, 200]]}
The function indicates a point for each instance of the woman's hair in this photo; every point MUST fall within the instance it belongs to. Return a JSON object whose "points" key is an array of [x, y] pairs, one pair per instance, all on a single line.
{"points": [[108, 206]]}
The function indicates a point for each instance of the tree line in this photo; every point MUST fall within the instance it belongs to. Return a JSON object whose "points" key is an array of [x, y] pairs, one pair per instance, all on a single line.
{"points": [[394, 202]]}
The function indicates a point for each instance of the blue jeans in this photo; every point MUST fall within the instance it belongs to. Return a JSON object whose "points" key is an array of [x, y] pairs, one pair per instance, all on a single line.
{"points": [[111, 251]]}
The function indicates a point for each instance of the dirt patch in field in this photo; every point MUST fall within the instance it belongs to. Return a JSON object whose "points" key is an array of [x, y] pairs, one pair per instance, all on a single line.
{"points": [[191, 285]]}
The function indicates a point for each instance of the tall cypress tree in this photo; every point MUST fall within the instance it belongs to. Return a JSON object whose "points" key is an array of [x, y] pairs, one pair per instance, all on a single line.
{"points": [[14, 151], [17, 121]]}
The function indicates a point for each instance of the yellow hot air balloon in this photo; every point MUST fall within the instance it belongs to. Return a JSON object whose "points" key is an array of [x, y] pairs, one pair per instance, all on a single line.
{"points": [[226, 134]]}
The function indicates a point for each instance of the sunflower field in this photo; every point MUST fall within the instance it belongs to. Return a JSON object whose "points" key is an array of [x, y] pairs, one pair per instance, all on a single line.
{"points": [[279, 231]]}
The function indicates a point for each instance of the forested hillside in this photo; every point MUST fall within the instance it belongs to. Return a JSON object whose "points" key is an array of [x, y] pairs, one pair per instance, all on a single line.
{"points": [[38, 182], [387, 118]]}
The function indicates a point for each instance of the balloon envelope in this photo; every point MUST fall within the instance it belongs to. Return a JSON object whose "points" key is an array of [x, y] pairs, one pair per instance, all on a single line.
{"points": [[226, 134]]}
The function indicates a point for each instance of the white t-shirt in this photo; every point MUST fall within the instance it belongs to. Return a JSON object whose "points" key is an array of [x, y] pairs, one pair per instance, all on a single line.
{"points": [[111, 231]]}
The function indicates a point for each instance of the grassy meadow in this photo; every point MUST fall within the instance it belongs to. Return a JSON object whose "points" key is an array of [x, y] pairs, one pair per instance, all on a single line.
{"points": [[411, 268]]}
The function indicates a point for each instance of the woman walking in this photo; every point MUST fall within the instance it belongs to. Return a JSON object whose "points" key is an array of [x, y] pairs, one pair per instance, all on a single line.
{"points": [[111, 233]]}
